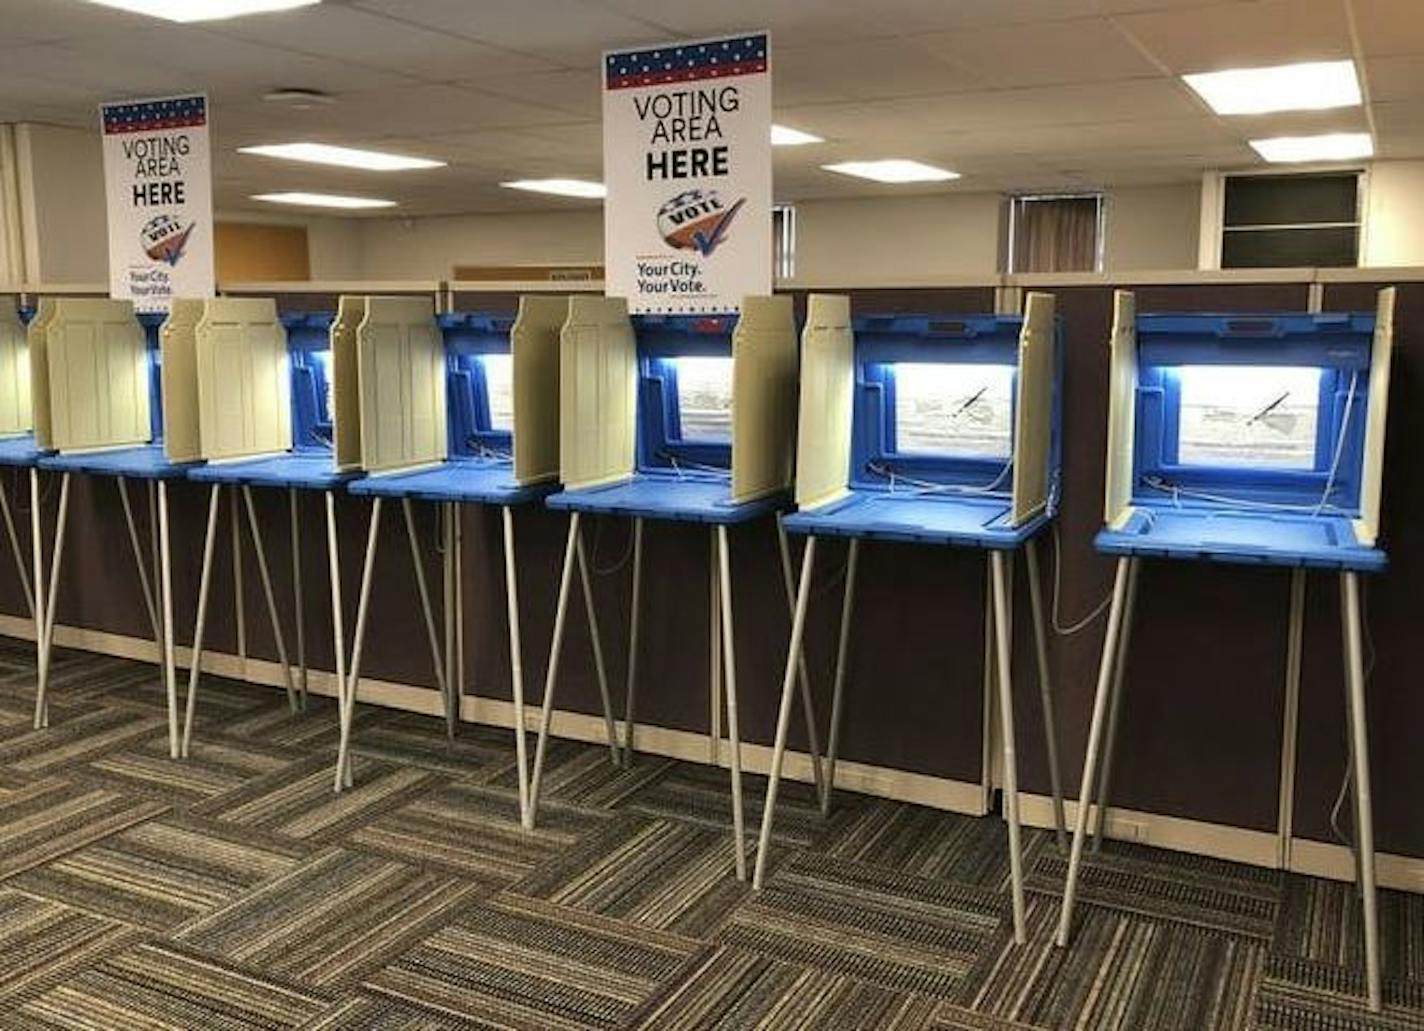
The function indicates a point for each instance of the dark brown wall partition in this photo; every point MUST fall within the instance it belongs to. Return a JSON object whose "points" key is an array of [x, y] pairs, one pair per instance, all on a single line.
{"points": [[1202, 717], [1393, 620]]}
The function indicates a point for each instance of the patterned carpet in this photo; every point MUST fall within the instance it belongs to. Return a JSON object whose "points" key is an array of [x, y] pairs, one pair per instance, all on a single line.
{"points": [[235, 892]]}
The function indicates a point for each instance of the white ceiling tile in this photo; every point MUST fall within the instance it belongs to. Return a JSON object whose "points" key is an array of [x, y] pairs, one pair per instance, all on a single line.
{"points": [[1399, 117], [1242, 35], [573, 33], [1395, 78], [909, 17], [883, 69], [790, 22], [1390, 26], [1082, 50], [361, 37], [573, 91]]}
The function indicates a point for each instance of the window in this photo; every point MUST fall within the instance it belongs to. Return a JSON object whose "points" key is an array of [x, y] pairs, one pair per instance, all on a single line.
{"points": [[1056, 233], [783, 241], [1287, 221], [953, 409]]}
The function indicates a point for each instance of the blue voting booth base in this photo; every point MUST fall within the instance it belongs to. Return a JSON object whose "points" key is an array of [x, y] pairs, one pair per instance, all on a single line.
{"points": [[472, 480], [146, 462], [19, 450], [1318, 542], [918, 518], [693, 497], [311, 470]]}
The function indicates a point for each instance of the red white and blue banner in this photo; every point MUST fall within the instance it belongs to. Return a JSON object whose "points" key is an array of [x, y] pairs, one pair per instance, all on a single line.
{"points": [[159, 189], [687, 164]]}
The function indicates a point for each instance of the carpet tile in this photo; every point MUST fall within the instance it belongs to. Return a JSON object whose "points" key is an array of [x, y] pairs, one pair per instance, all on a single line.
{"points": [[299, 801], [49, 818], [911, 934], [737, 988], [330, 919], [472, 831], [236, 891], [163, 873], [163, 988], [673, 876], [1208, 892], [524, 963], [43, 942]]}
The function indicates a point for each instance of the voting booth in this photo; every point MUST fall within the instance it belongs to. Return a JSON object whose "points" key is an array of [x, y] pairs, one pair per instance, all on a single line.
{"points": [[1248, 439], [930, 429], [478, 424], [267, 388], [678, 418], [96, 374]]}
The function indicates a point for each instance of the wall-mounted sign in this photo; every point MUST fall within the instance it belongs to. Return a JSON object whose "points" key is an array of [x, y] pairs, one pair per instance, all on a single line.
{"points": [[158, 183], [687, 164]]}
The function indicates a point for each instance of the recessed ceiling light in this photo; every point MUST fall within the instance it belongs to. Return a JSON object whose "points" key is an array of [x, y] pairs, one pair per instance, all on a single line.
{"points": [[785, 136], [560, 187], [299, 99], [1335, 146], [893, 170], [323, 200], [203, 10], [345, 157], [1312, 86]]}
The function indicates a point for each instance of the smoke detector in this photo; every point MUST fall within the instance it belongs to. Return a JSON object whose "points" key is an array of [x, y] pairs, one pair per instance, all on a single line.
{"points": [[299, 99]]}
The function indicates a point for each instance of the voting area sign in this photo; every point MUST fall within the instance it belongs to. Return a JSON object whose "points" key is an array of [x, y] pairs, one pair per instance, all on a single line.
{"points": [[158, 186], [687, 165]]}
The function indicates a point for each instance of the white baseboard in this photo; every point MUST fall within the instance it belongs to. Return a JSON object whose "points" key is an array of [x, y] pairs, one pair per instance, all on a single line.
{"points": [[1258, 848]]}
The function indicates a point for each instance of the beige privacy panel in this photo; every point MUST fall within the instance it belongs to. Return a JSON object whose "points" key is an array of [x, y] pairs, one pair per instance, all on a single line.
{"points": [[598, 383], [16, 414], [401, 362], [98, 375], [534, 343], [763, 397], [1371, 477], [182, 434], [244, 379], [1033, 415], [346, 382], [1122, 403], [37, 334], [346, 389], [827, 395]]}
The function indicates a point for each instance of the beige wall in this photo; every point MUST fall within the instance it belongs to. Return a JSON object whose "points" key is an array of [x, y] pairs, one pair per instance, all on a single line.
{"points": [[1394, 214], [1152, 228], [880, 240], [897, 240], [429, 248]]}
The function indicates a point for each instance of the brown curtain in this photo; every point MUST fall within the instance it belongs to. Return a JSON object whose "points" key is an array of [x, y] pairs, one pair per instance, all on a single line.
{"points": [[1058, 234]]}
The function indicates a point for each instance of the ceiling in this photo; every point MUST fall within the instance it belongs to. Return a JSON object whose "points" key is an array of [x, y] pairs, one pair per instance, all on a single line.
{"points": [[1014, 94]]}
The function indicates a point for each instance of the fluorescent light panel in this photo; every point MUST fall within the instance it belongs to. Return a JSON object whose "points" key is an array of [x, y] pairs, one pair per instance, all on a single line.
{"points": [[1311, 86], [344, 157], [785, 136], [893, 170], [1337, 146], [323, 200], [202, 10], [559, 187]]}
